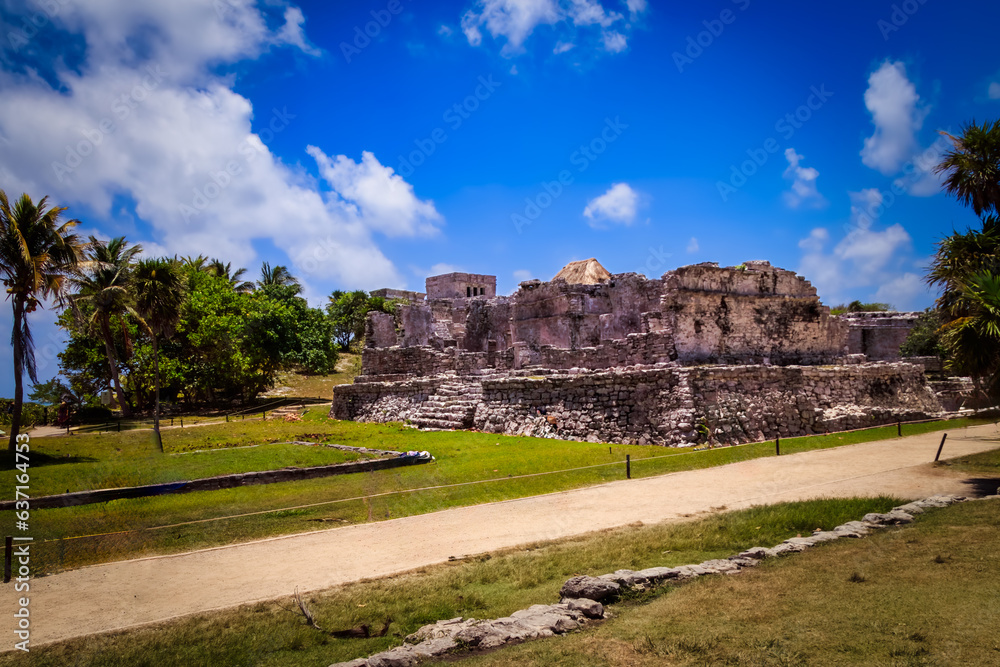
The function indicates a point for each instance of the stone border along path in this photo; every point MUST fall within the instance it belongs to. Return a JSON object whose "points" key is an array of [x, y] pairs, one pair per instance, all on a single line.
{"points": [[583, 597], [234, 480], [132, 593]]}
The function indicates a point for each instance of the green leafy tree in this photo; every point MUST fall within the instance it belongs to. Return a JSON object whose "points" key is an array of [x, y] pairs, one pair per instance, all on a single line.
{"points": [[974, 339], [159, 293], [53, 392], [234, 278], [36, 254], [859, 307], [961, 255], [348, 311], [972, 167], [924, 339], [104, 282], [277, 276], [967, 264]]}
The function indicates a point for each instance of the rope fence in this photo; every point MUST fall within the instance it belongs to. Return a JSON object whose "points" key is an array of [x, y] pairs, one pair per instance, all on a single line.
{"points": [[628, 462]]}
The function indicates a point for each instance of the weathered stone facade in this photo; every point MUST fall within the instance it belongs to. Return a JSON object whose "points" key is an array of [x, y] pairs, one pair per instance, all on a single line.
{"points": [[878, 335], [731, 354]]}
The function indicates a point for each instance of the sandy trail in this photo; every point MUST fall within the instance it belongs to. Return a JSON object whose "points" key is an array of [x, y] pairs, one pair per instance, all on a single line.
{"points": [[130, 593]]}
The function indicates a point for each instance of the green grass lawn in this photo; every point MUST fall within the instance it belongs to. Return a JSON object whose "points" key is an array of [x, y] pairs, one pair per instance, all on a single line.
{"points": [[317, 386], [924, 594], [928, 594], [986, 462], [145, 526]]}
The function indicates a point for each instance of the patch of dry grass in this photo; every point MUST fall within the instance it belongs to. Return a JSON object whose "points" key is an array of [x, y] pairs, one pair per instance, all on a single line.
{"points": [[928, 594]]}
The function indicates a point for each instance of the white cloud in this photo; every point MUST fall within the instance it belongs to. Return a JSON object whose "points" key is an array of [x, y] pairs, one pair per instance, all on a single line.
{"points": [[875, 263], [618, 205], [149, 119], [513, 70], [515, 20], [693, 246], [378, 196], [291, 33], [803, 179], [897, 114], [445, 31], [441, 268], [905, 292], [522, 274], [614, 41], [865, 207], [636, 6], [512, 19], [994, 90], [590, 12], [816, 240]]}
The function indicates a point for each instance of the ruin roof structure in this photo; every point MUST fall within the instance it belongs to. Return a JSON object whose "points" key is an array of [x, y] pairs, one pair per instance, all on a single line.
{"points": [[584, 272]]}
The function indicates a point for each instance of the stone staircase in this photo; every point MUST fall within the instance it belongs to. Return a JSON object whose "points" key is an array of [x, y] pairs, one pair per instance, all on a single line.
{"points": [[287, 412], [453, 406]]}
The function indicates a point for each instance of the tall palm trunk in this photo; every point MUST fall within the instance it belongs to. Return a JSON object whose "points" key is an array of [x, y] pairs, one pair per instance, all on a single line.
{"points": [[156, 385], [15, 421], [113, 365]]}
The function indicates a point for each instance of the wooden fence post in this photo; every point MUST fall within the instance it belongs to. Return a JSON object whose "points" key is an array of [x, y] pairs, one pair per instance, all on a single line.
{"points": [[940, 447], [8, 557]]}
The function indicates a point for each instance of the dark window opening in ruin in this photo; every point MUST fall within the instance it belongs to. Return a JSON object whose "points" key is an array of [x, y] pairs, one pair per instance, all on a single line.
{"points": [[468, 291]]}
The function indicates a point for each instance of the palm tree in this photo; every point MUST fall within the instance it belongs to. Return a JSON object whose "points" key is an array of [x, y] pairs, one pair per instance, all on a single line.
{"points": [[974, 339], [279, 275], [959, 256], [234, 278], [972, 167], [159, 292], [36, 253], [104, 281]]}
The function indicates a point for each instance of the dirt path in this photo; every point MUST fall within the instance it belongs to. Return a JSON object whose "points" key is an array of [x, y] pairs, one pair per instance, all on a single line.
{"points": [[130, 593]]}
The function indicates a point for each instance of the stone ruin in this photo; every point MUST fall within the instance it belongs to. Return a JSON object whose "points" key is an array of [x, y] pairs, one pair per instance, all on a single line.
{"points": [[703, 353]]}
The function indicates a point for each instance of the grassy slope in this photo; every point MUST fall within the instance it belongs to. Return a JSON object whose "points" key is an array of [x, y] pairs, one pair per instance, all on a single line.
{"points": [[462, 457], [317, 386], [923, 595], [485, 587]]}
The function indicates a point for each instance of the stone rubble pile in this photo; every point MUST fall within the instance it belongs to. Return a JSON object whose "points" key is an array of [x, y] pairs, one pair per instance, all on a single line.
{"points": [[583, 597]]}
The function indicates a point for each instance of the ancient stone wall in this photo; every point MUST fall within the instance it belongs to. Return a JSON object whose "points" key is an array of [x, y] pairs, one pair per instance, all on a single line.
{"points": [[878, 335], [758, 314], [383, 401], [673, 405], [632, 350], [572, 316], [461, 285]]}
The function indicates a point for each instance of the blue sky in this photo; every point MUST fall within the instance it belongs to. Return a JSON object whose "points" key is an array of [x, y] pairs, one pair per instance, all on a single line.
{"points": [[499, 136]]}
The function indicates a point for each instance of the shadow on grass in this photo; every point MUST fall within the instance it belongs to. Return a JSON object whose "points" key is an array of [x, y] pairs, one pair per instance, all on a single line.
{"points": [[38, 459], [983, 486]]}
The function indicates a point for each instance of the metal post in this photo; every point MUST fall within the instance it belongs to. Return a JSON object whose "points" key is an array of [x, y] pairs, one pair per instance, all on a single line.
{"points": [[119, 426], [628, 466], [899, 429], [777, 445], [940, 447], [227, 419], [8, 557]]}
